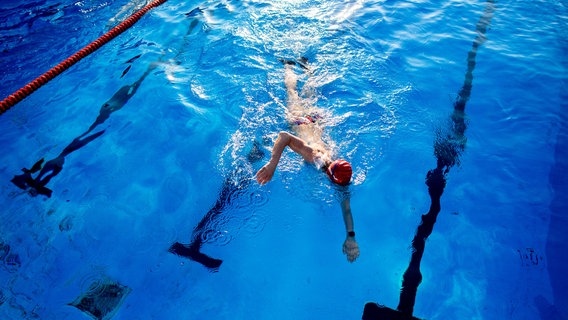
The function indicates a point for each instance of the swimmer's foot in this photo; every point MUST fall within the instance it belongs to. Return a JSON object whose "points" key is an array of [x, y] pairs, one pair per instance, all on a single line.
{"points": [[303, 62], [193, 253], [287, 62]]}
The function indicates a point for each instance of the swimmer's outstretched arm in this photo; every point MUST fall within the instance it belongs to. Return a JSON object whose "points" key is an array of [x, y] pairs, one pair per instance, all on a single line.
{"points": [[284, 139], [350, 246]]}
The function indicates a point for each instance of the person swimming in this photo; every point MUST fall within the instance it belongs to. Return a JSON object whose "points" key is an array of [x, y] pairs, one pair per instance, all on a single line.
{"points": [[308, 143]]}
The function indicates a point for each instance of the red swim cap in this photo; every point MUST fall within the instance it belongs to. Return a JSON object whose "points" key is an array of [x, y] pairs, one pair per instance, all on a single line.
{"points": [[340, 171]]}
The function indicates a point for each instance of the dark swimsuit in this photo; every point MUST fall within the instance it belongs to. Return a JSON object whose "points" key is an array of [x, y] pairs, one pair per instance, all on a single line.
{"points": [[307, 119]]}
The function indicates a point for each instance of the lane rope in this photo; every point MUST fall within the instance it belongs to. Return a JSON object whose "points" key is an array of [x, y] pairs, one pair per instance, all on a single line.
{"points": [[29, 88]]}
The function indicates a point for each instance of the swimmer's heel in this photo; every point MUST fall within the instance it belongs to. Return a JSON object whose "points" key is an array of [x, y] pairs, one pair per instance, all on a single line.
{"points": [[193, 253]]}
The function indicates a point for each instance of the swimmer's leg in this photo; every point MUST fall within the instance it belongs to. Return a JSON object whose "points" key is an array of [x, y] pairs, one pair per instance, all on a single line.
{"points": [[291, 82], [309, 88], [294, 103]]}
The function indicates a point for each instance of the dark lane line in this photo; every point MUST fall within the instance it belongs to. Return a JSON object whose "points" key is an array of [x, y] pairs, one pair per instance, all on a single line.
{"points": [[447, 150]]}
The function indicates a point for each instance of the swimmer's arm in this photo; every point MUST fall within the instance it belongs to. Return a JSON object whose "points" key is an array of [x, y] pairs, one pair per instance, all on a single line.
{"points": [[347, 216], [284, 139], [350, 246]]}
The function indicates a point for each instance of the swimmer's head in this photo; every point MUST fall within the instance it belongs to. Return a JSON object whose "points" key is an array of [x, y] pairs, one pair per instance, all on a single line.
{"points": [[340, 171]]}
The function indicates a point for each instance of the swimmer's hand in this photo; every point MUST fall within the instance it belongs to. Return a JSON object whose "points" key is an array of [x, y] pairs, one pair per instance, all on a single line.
{"points": [[265, 173], [351, 249]]}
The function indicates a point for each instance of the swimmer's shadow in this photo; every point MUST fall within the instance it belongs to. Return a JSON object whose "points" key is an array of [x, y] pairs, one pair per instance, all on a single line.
{"points": [[226, 195]]}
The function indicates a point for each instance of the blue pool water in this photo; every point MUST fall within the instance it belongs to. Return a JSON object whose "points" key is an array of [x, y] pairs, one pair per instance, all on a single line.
{"points": [[208, 89]]}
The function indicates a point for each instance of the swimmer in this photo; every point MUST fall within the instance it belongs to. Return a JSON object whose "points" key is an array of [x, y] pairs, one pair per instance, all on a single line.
{"points": [[307, 142]]}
